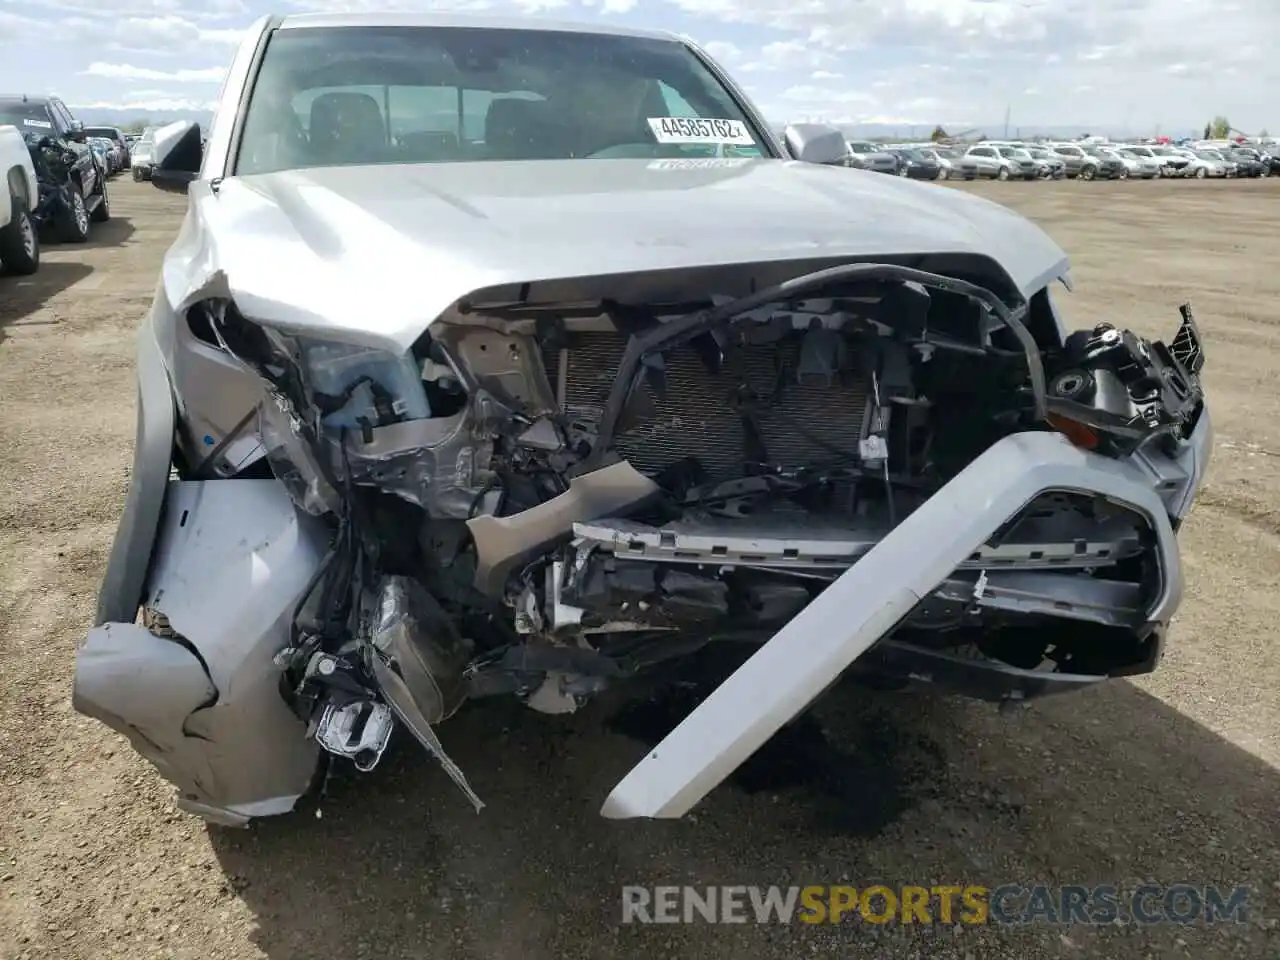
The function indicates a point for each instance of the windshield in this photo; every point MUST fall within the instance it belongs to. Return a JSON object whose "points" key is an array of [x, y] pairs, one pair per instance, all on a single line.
{"points": [[1208, 155], [27, 117], [360, 95], [110, 133]]}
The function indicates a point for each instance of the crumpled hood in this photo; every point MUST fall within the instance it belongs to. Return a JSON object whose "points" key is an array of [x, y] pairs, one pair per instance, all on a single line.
{"points": [[376, 253]]}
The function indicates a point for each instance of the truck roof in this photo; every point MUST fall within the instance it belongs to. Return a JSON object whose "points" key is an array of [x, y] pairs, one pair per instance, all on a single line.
{"points": [[477, 21]]}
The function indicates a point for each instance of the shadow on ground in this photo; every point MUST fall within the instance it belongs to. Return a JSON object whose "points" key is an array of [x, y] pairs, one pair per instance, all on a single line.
{"points": [[114, 233], [23, 296], [875, 788]]}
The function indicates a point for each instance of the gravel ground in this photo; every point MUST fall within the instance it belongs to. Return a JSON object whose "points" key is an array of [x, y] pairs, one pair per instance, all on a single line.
{"points": [[1173, 778]]}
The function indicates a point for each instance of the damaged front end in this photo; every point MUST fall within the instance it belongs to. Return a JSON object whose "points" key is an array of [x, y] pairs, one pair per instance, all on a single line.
{"points": [[867, 466]]}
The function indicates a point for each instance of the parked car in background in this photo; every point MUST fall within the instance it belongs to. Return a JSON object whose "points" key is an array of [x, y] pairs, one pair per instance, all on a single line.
{"points": [[1248, 160], [1205, 163], [958, 166], [118, 141], [63, 213], [1021, 165], [917, 165], [866, 155], [1078, 163], [1230, 167], [1049, 166], [1174, 162], [944, 164], [71, 160], [104, 152], [140, 155], [19, 237], [1271, 159], [1143, 166], [989, 162], [1109, 164]]}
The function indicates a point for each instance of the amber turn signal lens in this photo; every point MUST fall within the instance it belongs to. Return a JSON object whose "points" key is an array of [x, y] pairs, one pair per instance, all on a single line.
{"points": [[1075, 431]]}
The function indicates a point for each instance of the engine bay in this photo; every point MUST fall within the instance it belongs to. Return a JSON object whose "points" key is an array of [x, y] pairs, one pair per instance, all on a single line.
{"points": [[543, 499]]}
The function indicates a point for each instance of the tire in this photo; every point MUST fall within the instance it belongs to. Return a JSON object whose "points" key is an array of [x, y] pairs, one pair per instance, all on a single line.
{"points": [[73, 223], [19, 242], [1088, 172], [902, 171], [102, 212], [137, 174], [1003, 174], [942, 173], [1122, 173], [1201, 173]]}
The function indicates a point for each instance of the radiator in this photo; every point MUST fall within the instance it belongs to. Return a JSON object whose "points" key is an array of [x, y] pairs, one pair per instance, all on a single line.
{"points": [[696, 418]]}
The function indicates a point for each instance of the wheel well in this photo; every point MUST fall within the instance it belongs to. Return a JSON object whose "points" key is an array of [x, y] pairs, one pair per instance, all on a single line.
{"points": [[18, 185]]}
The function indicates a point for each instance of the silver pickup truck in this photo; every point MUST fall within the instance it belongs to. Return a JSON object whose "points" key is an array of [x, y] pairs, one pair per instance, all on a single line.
{"points": [[19, 239], [552, 382]]}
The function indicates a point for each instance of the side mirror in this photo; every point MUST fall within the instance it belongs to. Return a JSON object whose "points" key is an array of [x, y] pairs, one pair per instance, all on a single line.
{"points": [[816, 143], [76, 132], [176, 156]]}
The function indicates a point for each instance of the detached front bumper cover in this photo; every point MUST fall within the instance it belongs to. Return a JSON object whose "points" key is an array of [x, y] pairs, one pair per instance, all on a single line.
{"points": [[869, 600]]}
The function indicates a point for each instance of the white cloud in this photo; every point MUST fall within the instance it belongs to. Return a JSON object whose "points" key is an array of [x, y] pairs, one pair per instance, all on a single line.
{"points": [[992, 50], [125, 71], [176, 104], [723, 51], [1090, 63], [813, 95]]}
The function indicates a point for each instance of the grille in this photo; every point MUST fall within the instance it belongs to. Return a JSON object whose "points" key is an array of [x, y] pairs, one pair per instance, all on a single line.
{"points": [[696, 418]]}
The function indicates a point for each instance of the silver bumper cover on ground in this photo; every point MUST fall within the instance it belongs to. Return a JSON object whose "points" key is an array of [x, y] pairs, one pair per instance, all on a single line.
{"points": [[871, 598]]}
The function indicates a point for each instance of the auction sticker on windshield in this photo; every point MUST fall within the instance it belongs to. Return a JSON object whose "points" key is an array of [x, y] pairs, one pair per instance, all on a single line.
{"points": [[700, 130], [42, 124]]}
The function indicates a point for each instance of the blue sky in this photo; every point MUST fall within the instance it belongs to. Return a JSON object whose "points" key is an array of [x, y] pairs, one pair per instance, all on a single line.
{"points": [[1138, 63]]}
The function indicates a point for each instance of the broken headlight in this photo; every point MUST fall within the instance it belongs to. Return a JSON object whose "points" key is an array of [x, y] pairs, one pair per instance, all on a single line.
{"points": [[1114, 390]]}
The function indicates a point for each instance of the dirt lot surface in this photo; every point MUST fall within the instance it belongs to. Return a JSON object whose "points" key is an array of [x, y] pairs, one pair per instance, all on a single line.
{"points": [[1175, 778]]}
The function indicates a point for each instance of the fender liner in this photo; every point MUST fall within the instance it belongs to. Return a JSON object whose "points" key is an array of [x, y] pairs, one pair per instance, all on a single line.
{"points": [[126, 573]]}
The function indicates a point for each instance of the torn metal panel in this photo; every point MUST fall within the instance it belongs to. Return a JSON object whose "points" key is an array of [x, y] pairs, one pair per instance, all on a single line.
{"points": [[146, 687], [231, 560], [442, 464], [501, 542], [867, 602]]}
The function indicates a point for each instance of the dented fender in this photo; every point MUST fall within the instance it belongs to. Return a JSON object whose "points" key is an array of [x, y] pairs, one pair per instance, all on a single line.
{"points": [[197, 690]]}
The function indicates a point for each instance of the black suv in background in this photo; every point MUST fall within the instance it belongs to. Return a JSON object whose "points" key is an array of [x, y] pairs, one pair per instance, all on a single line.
{"points": [[73, 187]]}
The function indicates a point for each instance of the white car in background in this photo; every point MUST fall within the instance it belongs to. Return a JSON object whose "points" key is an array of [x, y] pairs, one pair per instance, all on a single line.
{"points": [[19, 240], [141, 155], [1148, 153]]}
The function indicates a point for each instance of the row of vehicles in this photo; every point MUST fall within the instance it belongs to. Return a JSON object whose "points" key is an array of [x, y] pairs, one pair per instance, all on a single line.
{"points": [[56, 172], [1085, 160]]}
